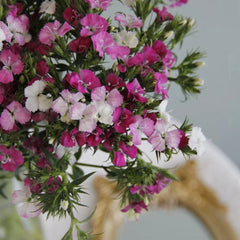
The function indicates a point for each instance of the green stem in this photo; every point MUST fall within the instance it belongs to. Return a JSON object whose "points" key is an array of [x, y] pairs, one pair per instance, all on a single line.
{"points": [[90, 165]]}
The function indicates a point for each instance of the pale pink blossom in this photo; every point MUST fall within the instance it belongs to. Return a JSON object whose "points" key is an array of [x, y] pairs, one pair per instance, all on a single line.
{"points": [[140, 126], [16, 30], [26, 206], [63, 104], [14, 112], [102, 4], [130, 21], [10, 158], [92, 24], [51, 30], [12, 65], [173, 138]]}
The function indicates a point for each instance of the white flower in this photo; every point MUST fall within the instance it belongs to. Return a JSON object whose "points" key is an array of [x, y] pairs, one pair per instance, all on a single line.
{"points": [[2, 38], [48, 6], [26, 207], [104, 112], [162, 110], [196, 141], [35, 99], [125, 38]]}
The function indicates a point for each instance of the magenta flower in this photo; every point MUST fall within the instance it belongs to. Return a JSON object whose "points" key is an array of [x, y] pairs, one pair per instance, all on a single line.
{"points": [[94, 138], [92, 24], [163, 15], [135, 90], [51, 30], [86, 80], [160, 48], [80, 45], [12, 65], [160, 87], [10, 158], [122, 118], [131, 151], [14, 112], [114, 81], [130, 21], [67, 139], [102, 41], [136, 206], [177, 3], [119, 159], [102, 4], [26, 206]]}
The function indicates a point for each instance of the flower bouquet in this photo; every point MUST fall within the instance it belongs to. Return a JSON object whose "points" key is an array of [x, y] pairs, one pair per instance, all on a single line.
{"points": [[75, 78]]}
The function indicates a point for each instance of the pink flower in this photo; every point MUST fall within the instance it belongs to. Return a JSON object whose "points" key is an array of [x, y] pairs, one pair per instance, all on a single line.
{"points": [[62, 105], [72, 16], [173, 138], [10, 158], [163, 15], [177, 3], [160, 87], [12, 65], [26, 206], [14, 112], [135, 89], [94, 138], [67, 140], [80, 45], [102, 41], [160, 48], [119, 159], [141, 125], [131, 151], [17, 29], [122, 118], [136, 206], [49, 32], [92, 24], [85, 80], [113, 81], [130, 21], [102, 4]]}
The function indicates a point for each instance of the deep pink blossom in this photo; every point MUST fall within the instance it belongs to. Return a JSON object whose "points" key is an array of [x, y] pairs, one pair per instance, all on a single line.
{"points": [[102, 4], [136, 206], [14, 112], [130, 21], [114, 81], [72, 16], [131, 151], [51, 30], [163, 15], [53, 183], [12, 65], [80, 45], [177, 3], [119, 159], [67, 140], [10, 158], [94, 138], [122, 119], [92, 24], [160, 48], [160, 86], [135, 90]]}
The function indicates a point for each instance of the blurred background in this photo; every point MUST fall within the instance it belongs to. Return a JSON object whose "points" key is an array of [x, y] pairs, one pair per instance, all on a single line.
{"points": [[216, 109]]}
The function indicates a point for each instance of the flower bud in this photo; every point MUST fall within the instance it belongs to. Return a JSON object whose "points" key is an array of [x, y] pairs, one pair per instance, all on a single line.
{"points": [[64, 204], [199, 64], [182, 22], [168, 35], [198, 82], [191, 22]]}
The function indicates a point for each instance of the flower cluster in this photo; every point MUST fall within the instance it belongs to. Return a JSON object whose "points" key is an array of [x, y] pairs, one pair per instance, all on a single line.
{"points": [[72, 78]]}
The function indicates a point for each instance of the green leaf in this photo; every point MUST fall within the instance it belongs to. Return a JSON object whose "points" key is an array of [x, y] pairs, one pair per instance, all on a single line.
{"points": [[77, 172], [80, 180], [168, 174], [49, 156]]}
